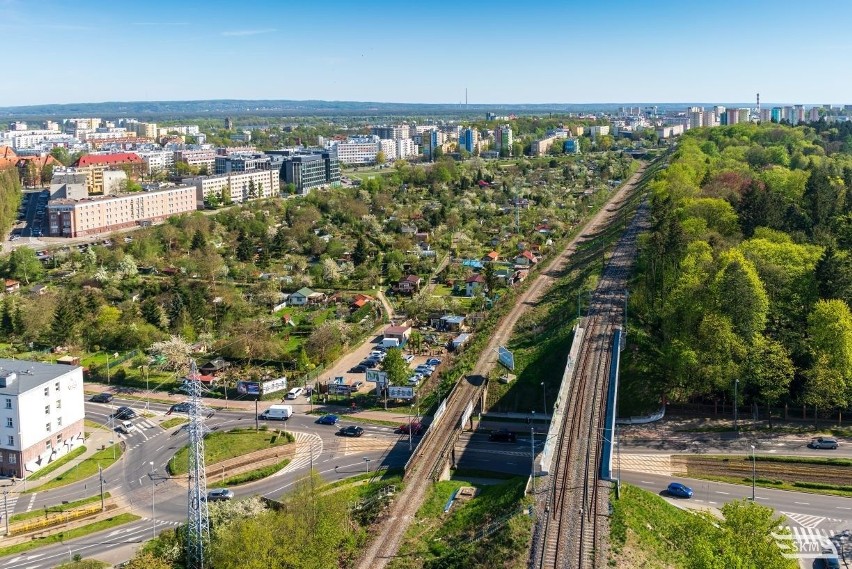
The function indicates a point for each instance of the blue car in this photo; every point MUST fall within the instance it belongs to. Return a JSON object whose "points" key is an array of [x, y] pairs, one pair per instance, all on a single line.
{"points": [[679, 490], [328, 420]]}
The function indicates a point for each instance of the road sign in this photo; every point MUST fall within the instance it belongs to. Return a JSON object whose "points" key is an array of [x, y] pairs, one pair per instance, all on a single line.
{"points": [[506, 358], [397, 392], [376, 376]]}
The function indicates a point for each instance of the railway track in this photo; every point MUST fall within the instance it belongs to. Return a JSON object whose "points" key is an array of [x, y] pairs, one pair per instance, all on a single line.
{"points": [[433, 450], [572, 532]]}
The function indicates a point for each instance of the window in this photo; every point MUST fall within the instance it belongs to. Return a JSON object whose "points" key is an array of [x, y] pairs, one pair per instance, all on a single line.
{"points": [[8, 404], [10, 441], [9, 424], [56, 386], [1, 457], [46, 391], [59, 403], [48, 445], [13, 459], [59, 421], [58, 438], [47, 427], [47, 409]]}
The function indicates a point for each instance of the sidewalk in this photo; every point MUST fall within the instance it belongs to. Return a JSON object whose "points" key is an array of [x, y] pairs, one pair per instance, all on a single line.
{"points": [[97, 440]]}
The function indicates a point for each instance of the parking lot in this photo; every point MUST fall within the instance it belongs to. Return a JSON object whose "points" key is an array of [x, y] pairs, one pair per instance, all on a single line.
{"points": [[32, 215]]}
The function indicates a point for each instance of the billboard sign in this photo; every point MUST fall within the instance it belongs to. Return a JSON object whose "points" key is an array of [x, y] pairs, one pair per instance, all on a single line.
{"points": [[274, 385], [376, 376], [248, 388], [398, 392], [506, 358]]}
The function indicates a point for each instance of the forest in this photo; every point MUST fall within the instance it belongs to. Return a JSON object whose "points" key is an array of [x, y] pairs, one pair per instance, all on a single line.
{"points": [[745, 278]]}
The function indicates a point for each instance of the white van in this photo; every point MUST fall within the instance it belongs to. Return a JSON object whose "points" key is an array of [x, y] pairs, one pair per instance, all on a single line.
{"points": [[295, 392], [277, 413], [390, 343]]}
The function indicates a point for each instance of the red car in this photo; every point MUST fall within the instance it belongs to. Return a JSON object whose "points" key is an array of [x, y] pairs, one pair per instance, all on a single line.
{"points": [[416, 428]]}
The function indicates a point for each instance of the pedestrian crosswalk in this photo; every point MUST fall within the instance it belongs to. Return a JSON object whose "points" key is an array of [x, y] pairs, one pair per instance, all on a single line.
{"points": [[308, 450], [9, 503]]}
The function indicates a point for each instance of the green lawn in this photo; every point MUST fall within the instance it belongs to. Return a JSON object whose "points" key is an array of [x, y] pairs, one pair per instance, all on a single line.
{"points": [[84, 564], [223, 445], [56, 509], [173, 422], [57, 463], [93, 425], [70, 534], [255, 474], [442, 290], [84, 469]]}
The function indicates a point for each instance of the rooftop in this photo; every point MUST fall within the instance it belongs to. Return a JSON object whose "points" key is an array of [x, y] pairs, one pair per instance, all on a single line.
{"points": [[30, 375], [104, 159]]}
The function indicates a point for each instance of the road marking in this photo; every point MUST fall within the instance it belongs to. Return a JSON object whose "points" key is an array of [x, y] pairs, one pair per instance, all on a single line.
{"points": [[802, 503], [720, 492], [32, 501], [843, 508], [645, 482]]}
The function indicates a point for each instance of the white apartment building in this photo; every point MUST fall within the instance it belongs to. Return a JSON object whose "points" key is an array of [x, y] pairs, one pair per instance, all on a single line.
{"points": [[237, 185], [357, 149], [26, 138], [157, 160], [96, 215], [197, 158], [41, 414], [598, 130]]}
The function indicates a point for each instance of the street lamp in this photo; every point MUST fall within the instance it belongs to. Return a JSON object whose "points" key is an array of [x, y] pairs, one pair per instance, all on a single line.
{"points": [[410, 409], [147, 387], [532, 451], [753, 468], [544, 399], [153, 516]]}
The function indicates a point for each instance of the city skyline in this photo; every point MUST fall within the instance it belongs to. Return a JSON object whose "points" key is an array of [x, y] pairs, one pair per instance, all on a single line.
{"points": [[501, 53]]}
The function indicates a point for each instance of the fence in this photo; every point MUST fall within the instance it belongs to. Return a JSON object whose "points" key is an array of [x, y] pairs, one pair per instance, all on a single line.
{"points": [[54, 520]]}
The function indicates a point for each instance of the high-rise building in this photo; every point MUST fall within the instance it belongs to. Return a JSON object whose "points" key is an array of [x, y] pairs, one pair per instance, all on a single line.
{"points": [[357, 149], [390, 132], [469, 140], [777, 114], [429, 142], [813, 114], [311, 169], [241, 163], [696, 117], [503, 140]]}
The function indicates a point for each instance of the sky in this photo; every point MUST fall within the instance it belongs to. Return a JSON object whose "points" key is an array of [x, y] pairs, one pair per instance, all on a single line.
{"points": [[502, 52]]}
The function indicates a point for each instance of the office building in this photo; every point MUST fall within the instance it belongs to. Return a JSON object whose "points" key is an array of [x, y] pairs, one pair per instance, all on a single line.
{"points": [[103, 214], [238, 186], [241, 163], [357, 149], [311, 169], [41, 413]]}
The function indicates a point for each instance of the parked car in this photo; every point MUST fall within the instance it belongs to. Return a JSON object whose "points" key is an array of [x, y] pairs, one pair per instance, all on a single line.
{"points": [[828, 559], [351, 431], [124, 413], [294, 393], [679, 490], [328, 420], [360, 368], [102, 398], [503, 436], [408, 358], [823, 443], [220, 495], [433, 362], [416, 428], [414, 380], [356, 385]]}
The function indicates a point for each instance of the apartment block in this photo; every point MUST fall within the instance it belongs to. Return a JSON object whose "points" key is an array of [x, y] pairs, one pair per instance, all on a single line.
{"points": [[239, 186], [199, 158], [357, 149]]}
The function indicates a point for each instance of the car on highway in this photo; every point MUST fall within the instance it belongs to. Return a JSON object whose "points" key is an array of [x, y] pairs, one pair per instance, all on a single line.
{"points": [[360, 368], [679, 490], [220, 495], [416, 428], [503, 436], [328, 420], [102, 398], [823, 443], [124, 413], [351, 431]]}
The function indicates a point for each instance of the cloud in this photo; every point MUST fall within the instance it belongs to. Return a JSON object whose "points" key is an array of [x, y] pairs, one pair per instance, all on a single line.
{"points": [[239, 33]]}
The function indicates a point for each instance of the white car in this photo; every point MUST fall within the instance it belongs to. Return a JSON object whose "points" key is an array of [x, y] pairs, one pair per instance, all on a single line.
{"points": [[408, 358], [413, 380]]}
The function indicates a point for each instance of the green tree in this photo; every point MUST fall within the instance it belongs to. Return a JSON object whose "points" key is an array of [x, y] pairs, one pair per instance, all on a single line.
{"points": [[147, 560], [7, 316], [24, 265], [303, 362], [64, 322], [767, 372], [199, 241], [830, 332], [361, 253], [490, 276], [381, 158], [396, 368], [741, 296]]}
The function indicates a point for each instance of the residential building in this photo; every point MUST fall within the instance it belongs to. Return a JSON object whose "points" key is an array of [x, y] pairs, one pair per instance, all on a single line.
{"points": [[696, 117], [238, 186], [93, 216], [469, 140], [430, 142], [409, 284], [777, 114], [732, 116], [69, 183], [41, 413], [241, 163], [157, 160], [765, 115], [473, 284], [798, 114], [22, 139], [305, 296], [813, 114], [357, 149], [670, 131], [197, 158], [572, 146], [311, 169], [598, 130], [503, 140], [390, 132], [99, 181]]}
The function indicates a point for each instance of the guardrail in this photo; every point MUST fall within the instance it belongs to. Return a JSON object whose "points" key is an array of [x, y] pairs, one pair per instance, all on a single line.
{"points": [[642, 420], [54, 520]]}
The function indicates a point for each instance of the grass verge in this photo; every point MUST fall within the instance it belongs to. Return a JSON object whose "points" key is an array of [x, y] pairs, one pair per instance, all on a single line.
{"points": [[223, 445], [173, 422], [84, 469], [256, 474], [70, 534], [42, 472], [56, 509], [84, 564], [94, 425], [823, 489]]}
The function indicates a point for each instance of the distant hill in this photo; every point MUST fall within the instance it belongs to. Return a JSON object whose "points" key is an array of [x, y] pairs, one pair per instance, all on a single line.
{"points": [[233, 107]]}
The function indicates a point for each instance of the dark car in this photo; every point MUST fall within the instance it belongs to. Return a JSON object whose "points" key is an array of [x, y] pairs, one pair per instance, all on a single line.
{"points": [[102, 398], [679, 490], [179, 408], [828, 559], [503, 436], [328, 420], [124, 413], [220, 495], [360, 368], [416, 428], [351, 431]]}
